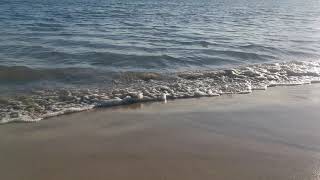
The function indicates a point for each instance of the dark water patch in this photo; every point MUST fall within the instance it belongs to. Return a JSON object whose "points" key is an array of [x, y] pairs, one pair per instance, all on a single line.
{"points": [[24, 75]]}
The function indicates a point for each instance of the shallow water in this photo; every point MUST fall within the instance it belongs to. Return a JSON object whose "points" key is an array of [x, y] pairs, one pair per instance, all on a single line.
{"points": [[58, 57], [133, 87]]}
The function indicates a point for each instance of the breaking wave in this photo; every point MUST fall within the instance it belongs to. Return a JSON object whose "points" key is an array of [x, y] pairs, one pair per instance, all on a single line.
{"points": [[133, 87]]}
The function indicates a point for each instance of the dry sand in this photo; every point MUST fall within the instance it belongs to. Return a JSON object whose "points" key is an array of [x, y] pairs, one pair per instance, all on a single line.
{"points": [[273, 134]]}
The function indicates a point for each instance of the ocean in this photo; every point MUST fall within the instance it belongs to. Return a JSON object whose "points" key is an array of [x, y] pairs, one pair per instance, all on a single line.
{"points": [[58, 57]]}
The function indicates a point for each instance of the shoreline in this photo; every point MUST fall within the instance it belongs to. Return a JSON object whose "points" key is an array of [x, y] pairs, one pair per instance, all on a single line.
{"points": [[133, 87], [113, 103], [252, 136]]}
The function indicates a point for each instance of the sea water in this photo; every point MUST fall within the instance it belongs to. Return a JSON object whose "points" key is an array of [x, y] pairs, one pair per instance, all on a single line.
{"points": [[65, 56]]}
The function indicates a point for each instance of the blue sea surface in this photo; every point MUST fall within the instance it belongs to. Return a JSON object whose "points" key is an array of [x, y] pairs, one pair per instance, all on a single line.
{"points": [[156, 35]]}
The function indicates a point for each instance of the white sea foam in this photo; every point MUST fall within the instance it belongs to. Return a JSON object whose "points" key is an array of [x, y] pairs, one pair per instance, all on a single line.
{"points": [[159, 87]]}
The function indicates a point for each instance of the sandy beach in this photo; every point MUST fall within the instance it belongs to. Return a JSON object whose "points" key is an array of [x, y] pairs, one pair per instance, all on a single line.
{"points": [[271, 134]]}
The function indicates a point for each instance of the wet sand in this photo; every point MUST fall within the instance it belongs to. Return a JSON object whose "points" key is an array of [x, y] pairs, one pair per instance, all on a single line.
{"points": [[273, 134]]}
